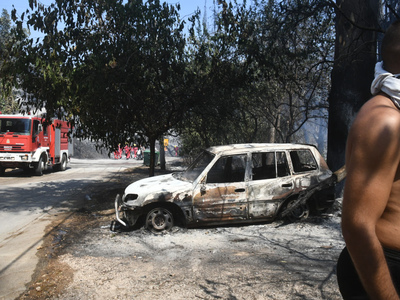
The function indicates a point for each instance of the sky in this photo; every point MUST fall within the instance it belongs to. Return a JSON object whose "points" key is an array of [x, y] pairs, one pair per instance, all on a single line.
{"points": [[188, 7]]}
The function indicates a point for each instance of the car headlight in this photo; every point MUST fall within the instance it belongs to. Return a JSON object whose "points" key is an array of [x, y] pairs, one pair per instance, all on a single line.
{"points": [[130, 197]]}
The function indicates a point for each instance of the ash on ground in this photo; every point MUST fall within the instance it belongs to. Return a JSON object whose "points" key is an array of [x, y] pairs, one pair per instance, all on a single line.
{"points": [[273, 260]]}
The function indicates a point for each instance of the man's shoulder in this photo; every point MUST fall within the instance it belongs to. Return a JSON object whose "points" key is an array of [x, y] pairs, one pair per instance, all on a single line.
{"points": [[377, 120], [375, 133], [379, 110]]}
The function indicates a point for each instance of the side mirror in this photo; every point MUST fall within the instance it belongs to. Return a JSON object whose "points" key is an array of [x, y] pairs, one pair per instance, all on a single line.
{"points": [[203, 186], [202, 190]]}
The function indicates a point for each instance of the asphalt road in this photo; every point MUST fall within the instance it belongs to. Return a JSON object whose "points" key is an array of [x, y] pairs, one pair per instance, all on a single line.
{"points": [[29, 203]]}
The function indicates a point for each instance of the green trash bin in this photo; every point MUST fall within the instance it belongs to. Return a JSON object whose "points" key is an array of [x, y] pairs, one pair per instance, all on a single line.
{"points": [[146, 158]]}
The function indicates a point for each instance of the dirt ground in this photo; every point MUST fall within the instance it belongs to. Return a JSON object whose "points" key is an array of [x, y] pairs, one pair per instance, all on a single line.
{"points": [[82, 259]]}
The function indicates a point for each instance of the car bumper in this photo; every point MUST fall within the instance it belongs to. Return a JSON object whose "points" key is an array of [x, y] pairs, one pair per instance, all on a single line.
{"points": [[118, 205], [126, 215]]}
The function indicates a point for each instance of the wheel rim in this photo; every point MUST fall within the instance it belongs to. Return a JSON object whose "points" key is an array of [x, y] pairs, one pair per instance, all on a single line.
{"points": [[301, 212], [159, 219]]}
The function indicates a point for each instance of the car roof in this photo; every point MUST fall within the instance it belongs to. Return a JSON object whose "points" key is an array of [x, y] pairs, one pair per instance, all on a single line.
{"points": [[254, 147]]}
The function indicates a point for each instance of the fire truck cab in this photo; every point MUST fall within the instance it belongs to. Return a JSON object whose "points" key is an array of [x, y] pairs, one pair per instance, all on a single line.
{"points": [[27, 142]]}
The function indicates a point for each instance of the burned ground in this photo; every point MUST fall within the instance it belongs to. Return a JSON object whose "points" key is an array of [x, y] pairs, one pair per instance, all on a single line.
{"points": [[82, 259]]}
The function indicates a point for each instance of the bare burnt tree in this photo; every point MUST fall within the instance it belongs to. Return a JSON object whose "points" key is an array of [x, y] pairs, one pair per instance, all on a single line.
{"points": [[278, 71]]}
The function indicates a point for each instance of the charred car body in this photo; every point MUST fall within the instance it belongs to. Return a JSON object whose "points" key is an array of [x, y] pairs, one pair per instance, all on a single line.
{"points": [[239, 183]]}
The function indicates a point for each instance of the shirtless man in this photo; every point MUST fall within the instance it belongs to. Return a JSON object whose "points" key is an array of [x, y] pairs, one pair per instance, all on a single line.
{"points": [[371, 201]]}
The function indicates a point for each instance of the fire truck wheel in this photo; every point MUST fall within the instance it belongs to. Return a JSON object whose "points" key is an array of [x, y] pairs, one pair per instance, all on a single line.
{"points": [[63, 165], [2, 171], [39, 167]]}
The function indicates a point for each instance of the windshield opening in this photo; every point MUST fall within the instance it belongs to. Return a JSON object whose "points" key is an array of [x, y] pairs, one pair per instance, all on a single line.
{"points": [[195, 169], [16, 126]]}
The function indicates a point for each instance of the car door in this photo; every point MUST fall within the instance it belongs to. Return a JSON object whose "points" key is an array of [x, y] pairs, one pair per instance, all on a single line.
{"points": [[221, 196], [270, 184]]}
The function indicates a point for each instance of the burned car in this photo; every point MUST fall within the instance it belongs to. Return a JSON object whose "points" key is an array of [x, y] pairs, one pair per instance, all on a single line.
{"points": [[240, 183]]}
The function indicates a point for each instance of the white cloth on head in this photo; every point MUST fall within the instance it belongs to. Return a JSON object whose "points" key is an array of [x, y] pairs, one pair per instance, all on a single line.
{"points": [[386, 82]]}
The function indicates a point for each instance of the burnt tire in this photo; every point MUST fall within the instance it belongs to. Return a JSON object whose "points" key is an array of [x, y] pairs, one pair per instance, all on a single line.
{"points": [[159, 220], [301, 212]]}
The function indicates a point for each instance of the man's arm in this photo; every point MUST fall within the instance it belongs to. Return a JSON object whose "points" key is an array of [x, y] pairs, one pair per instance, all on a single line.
{"points": [[372, 159]]}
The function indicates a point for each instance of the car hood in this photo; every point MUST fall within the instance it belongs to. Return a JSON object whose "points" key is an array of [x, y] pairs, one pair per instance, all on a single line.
{"points": [[165, 186]]}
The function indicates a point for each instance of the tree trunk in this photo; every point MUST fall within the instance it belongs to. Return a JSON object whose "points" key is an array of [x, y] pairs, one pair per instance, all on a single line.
{"points": [[152, 141], [162, 154], [353, 71]]}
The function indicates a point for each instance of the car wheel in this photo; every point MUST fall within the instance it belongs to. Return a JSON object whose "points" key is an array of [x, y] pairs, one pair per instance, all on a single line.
{"points": [[301, 212], [159, 219]]}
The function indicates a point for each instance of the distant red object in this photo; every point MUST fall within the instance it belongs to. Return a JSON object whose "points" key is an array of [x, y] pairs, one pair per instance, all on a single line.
{"points": [[28, 142], [118, 153], [127, 150]]}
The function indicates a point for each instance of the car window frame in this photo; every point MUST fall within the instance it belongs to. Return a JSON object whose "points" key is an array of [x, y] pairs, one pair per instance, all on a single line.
{"points": [[275, 153], [292, 163]]}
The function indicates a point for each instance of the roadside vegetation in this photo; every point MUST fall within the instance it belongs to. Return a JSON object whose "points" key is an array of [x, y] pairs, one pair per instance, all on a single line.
{"points": [[258, 72]]}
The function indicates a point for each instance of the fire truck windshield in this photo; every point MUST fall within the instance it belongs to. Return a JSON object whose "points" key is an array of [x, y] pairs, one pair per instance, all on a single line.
{"points": [[16, 126]]}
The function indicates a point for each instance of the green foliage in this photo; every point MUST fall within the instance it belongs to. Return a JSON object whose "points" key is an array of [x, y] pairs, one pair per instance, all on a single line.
{"points": [[5, 28], [114, 68], [7, 103], [219, 76]]}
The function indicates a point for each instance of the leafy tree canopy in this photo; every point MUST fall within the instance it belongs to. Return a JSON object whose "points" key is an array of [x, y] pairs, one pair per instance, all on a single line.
{"points": [[5, 27], [7, 103], [111, 67], [114, 68]]}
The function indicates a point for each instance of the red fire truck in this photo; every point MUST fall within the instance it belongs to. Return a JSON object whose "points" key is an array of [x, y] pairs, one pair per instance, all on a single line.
{"points": [[26, 142]]}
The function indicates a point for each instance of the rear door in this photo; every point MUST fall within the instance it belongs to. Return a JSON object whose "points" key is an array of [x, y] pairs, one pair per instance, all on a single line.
{"points": [[270, 184]]}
